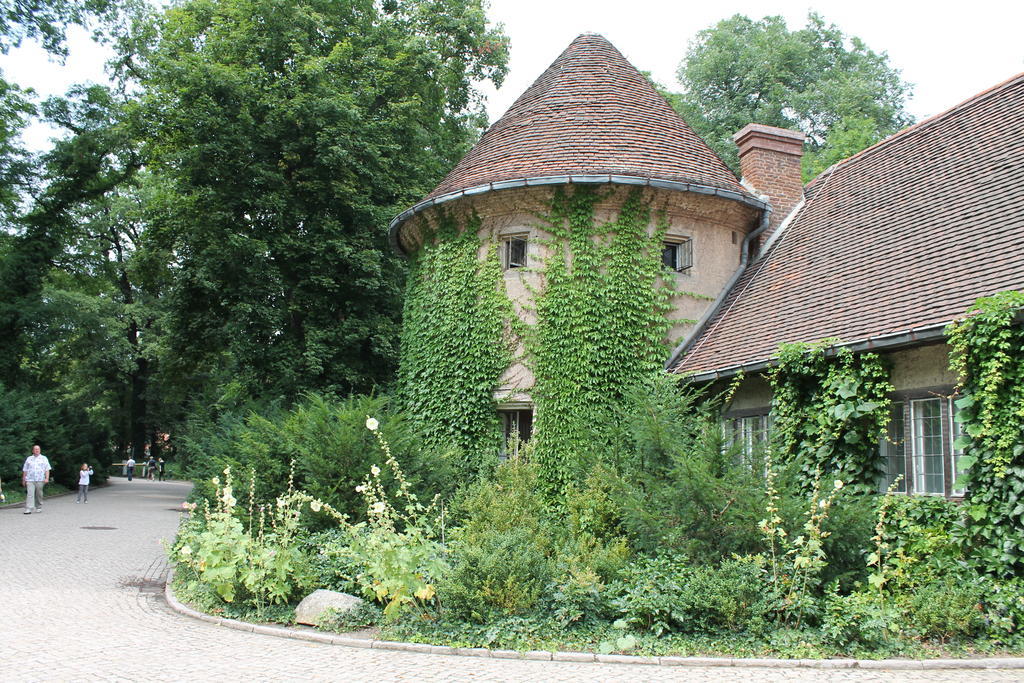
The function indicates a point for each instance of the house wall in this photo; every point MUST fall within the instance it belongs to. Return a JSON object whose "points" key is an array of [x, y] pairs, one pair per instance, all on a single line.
{"points": [[921, 367], [716, 227], [916, 370]]}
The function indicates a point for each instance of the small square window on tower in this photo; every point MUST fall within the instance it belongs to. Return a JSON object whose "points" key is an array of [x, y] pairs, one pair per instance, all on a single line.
{"points": [[513, 252], [677, 254]]}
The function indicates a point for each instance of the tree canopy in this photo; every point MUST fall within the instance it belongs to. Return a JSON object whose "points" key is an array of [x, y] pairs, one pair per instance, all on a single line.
{"points": [[286, 136], [211, 230], [831, 86]]}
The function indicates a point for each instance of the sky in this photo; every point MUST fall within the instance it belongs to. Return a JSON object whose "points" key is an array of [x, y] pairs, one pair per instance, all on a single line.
{"points": [[948, 55]]}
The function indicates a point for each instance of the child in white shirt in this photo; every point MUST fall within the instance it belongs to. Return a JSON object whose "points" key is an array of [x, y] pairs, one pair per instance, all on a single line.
{"points": [[83, 483]]}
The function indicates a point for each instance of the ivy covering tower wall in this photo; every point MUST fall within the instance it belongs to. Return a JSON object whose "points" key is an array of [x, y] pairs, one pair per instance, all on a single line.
{"points": [[602, 321], [456, 340]]}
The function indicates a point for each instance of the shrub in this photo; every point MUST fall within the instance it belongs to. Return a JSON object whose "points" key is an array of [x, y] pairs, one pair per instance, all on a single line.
{"points": [[366, 614], [501, 554], [579, 598], [328, 442], [497, 572], [662, 595], [848, 528], [332, 562], [947, 608], [918, 540], [857, 621], [705, 503], [1004, 610]]}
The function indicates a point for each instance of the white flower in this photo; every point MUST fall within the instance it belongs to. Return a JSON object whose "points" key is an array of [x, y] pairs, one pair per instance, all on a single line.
{"points": [[315, 506], [186, 550], [839, 484], [374, 470], [372, 424], [361, 488], [280, 502], [377, 508]]}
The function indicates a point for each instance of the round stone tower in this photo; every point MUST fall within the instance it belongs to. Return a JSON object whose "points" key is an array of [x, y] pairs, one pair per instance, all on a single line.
{"points": [[591, 140]]}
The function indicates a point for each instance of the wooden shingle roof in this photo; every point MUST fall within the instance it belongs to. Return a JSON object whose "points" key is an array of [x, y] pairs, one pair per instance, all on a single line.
{"points": [[590, 113], [903, 236]]}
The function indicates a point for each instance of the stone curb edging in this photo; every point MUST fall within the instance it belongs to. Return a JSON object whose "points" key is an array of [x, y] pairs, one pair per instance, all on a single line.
{"points": [[588, 657]]}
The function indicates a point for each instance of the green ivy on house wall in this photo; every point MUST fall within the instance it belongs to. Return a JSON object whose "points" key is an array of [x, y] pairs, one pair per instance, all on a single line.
{"points": [[988, 358], [829, 412], [602, 322], [456, 340]]}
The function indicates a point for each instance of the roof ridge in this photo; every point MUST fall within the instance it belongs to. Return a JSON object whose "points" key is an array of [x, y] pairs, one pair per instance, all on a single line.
{"points": [[931, 120]]}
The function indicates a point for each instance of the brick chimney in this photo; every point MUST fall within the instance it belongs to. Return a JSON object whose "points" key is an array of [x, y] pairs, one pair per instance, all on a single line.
{"points": [[770, 163]]}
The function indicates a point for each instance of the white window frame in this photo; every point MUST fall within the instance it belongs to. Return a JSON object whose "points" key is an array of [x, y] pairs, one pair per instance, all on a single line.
{"points": [[918, 456], [955, 430], [893, 449], [752, 432]]}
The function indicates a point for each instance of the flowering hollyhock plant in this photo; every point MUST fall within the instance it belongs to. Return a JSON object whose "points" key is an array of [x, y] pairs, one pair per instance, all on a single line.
{"points": [[396, 546], [246, 555]]}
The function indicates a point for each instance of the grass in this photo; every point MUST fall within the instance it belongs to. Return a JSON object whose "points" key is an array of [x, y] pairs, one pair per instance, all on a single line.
{"points": [[16, 493]]}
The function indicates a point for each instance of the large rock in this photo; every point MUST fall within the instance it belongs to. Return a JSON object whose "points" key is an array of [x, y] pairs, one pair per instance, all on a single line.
{"points": [[313, 606]]}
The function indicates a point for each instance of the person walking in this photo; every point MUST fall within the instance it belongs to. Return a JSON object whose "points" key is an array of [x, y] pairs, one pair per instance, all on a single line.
{"points": [[151, 468], [130, 465], [35, 474], [83, 483], [160, 468]]}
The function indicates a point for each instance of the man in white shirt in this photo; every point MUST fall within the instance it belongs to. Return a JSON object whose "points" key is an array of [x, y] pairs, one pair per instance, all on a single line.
{"points": [[35, 474]]}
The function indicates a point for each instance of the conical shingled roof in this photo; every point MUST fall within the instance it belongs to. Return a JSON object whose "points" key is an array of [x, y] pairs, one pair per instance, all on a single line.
{"points": [[590, 113]]}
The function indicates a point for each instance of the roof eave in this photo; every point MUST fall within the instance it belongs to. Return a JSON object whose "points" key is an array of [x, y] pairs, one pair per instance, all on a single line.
{"points": [[581, 179], [926, 334]]}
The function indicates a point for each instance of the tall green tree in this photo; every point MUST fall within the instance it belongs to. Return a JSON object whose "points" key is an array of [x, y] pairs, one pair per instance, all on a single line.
{"points": [[88, 338], [286, 135], [831, 86]]}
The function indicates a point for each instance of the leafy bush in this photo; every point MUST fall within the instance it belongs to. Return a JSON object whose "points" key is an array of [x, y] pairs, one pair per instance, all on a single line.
{"points": [[663, 595], [579, 598], [1004, 610], [501, 555], [259, 563], [918, 540], [332, 563], [947, 608], [858, 621], [326, 439], [366, 614]]}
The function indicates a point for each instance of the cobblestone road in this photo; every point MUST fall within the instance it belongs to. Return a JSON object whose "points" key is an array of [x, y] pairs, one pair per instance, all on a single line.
{"points": [[83, 603]]}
